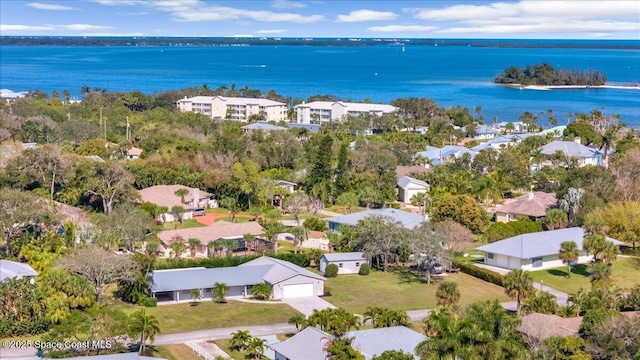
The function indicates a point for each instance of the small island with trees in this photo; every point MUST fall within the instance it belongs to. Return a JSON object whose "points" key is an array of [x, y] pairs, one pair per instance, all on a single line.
{"points": [[544, 74]]}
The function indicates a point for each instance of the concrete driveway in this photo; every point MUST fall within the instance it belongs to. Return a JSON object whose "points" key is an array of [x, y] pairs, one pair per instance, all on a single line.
{"points": [[306, 305]]}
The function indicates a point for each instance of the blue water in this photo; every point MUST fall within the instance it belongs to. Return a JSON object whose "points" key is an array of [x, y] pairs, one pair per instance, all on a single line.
{"points": [[450, 75]]}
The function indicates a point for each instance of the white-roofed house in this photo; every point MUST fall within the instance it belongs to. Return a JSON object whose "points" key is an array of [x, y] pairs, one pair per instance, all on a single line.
{"points": [[262, 126], [535, 251], [483, 132], [234, 108], [348, 263], [164, 195], [408, 187], [287, 280], [310, 343], [15, 270], [408, 220], [571, 151]]}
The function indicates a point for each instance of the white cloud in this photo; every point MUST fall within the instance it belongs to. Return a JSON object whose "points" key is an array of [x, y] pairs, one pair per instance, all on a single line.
{"points": [[41, 6], [271, 31], [7, 28], [548, 27], [367, 15], [216, 13], [118, 2], [84, 27], [112, 34], [286, 4], [402, 28]]}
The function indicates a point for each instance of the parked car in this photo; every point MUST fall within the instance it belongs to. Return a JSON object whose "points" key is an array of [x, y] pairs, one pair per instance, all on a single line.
{"points": [[199, 212]]}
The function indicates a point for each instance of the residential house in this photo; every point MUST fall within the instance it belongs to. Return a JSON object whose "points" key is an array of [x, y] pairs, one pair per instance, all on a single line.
{"points": [[555, 131], [408, 220], [234, 108], [544, 326], [535, 251], [261, 126], [408, 187], [287, 280], [165, 195], [348, 263], [11, 96], [515, 127], [402, 171], [133, 153], [317, 240], [312, 128], [570, 151], [95, 158], [15, 270], [326, 111], [287, 185], [502, 141], [219, 230], [483, 132], [533, 205], [311, 343], [438, 156]]}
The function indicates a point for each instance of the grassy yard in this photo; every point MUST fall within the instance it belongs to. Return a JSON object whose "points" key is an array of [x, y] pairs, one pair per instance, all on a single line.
{"points": [[188, 223], [174, 352], [225, 345], [208, 314], [625, 274], [402, 290]]}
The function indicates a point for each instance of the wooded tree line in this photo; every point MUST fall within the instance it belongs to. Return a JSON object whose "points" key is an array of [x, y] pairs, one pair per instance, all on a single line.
{"points": [[546, 74]]}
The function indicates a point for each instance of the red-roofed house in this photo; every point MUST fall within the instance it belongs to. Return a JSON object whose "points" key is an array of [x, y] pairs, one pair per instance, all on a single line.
{"points": [[165, 195]]}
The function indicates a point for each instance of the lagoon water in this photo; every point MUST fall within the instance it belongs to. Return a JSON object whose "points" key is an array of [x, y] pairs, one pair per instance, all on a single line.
{"points": [[450, 75]]}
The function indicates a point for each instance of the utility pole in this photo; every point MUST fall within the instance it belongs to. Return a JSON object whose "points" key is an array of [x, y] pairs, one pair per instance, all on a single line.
{"points": [[128, 135]]}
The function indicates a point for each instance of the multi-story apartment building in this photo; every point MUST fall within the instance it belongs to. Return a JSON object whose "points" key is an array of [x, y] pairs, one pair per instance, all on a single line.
{"points": [[234, 108], [325, 111]]}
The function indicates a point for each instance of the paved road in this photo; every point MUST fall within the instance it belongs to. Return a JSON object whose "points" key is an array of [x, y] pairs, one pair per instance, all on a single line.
{"points": [[222, 333]]}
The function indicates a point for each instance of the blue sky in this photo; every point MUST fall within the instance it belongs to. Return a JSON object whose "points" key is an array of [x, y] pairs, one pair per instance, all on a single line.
{"points": [[543, 19]]}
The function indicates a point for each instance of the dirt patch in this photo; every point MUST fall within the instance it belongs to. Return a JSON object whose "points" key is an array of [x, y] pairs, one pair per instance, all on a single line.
{"points": [[210, 218]]}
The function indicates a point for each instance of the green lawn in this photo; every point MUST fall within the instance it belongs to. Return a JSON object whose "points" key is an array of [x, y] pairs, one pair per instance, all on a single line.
{"points": [[402, 290], [225, 345], [175, 352], [208, 315], [188, 223], [625, 274]]}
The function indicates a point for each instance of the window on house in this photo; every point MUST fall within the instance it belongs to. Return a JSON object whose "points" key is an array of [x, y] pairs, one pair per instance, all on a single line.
{"points": [[489, 255], [536, 262], [357, 264], [340, 265]]}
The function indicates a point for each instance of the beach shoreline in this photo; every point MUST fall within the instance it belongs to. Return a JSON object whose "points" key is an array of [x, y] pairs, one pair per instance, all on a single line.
{"points": [[569, 87]]}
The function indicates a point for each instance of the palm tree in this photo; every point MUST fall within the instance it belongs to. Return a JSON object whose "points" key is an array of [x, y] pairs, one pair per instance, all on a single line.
{"points": [[163, 210], [445, 340], [261, 291], [240, 339], [195, 296], [177, 212], [296, 320], [518, 284], [177, 247], [555, 219], [448, 294], [570, 203], [255, 348], [568, 254], [339, 348], [182, 192], [146, 324], [420, 199], [301, 234], [537, 156], [211, 247], [220, 291], [193, 246]]}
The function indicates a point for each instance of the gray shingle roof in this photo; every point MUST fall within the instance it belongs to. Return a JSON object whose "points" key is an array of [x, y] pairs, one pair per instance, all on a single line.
{"points": [[11, 269], [406, 180], [537, 244], [569, 148], [308, 344], [372, 342], [409, 220], [346, 256]]}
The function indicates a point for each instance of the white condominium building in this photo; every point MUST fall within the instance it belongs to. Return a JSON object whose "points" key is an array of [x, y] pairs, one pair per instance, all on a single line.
{"points": [[326, 111], [234, 108]]}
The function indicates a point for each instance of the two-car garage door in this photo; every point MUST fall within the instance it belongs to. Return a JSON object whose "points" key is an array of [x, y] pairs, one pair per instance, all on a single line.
{"points": [[297, 290]]}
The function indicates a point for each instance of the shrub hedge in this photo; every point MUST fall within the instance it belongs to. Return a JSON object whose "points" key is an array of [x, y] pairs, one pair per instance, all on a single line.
{"points": [[331, 271], [365, 269], [150, 302], [480, 273]]}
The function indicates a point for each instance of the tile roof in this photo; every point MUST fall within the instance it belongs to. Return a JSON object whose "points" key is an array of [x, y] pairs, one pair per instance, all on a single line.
{"points": [[402, 171], [11, 269], [530, 204], [406, 180], [373, 342], [347, 256], [308, 344], [569, 148], [316, 234], [134, 151], [409, 220], [219, 229], [543, 326], [537, 244], [164, 195]]}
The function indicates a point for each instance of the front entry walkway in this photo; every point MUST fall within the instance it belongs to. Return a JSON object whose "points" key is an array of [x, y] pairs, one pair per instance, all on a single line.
{"points": [[306, 305]]}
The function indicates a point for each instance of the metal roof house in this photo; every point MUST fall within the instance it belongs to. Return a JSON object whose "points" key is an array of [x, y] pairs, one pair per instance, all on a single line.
{"points": [[439, 156], [15, 270], [310, 343], [286, 279], [535, 251], [573, 150], [348, 263], [408, 187], [409, 220]]}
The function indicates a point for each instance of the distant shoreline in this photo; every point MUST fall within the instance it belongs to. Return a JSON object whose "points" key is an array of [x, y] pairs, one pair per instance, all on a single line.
{"points": [[570, 87]]}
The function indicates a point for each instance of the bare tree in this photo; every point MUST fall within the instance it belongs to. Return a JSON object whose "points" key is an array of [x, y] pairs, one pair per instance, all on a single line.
{"points": [[111, 183], [379, 236], [296, 204], [456, 236], [100, 267]]}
